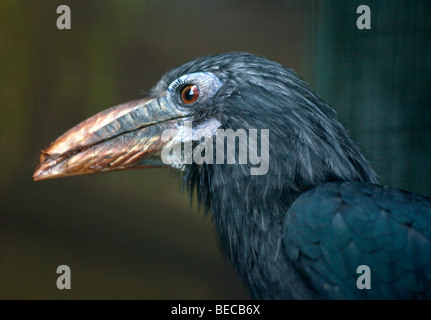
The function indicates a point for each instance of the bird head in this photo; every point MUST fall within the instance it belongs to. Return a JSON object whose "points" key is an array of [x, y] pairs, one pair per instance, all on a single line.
{"points": [[306, 143]]}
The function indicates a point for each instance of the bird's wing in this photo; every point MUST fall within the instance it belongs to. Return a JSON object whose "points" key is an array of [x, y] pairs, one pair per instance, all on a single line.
{"points": [[331, 230]]}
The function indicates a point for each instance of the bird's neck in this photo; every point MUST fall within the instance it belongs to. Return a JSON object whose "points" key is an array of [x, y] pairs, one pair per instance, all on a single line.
{"points": [[249, 221]]}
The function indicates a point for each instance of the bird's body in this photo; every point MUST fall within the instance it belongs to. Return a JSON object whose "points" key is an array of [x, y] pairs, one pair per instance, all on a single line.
{"points": [[336, 227], [299, 231]]}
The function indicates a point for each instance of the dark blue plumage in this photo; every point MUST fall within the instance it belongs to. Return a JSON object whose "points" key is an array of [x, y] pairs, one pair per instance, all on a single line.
{"points": [[332, 229]]}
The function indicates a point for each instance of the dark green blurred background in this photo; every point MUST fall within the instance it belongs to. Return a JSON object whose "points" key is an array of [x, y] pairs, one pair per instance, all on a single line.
{"points": [[133, 234]]}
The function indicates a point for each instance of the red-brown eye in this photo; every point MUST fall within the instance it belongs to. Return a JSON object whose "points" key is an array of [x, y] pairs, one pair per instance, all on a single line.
{"points": [[189, 94]]}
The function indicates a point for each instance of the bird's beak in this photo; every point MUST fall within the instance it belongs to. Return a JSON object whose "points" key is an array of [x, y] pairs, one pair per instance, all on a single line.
{"points": [[130, 135]]}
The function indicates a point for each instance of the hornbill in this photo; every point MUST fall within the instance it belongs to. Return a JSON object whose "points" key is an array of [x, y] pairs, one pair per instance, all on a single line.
{"points": [[315, 225]]}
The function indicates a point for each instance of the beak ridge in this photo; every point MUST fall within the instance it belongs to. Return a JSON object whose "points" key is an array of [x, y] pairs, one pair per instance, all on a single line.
{"points": [[122, 137]]}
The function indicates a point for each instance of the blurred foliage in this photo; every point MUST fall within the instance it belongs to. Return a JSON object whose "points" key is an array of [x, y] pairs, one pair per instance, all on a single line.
{"points": [[16, 74], [134, 234]]}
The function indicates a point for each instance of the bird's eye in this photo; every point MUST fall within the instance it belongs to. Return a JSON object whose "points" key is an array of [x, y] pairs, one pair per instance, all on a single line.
{"points": [[189, 94]]}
